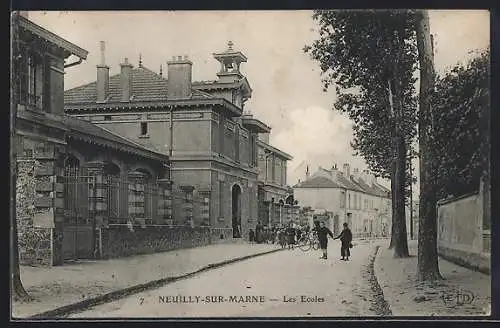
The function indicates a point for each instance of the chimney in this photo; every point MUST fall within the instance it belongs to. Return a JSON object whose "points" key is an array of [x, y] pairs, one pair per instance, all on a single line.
{"points": [[179, 78], [307, 172], [102, 76], [126, 80], [355, 172], [364, 176], [347, 170], [334, 167]]}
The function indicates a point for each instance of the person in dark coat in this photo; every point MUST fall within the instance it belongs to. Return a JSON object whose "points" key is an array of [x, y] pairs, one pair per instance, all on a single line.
{"points": [[251, 236], [290, 232], [346, 239], [258, 232], [282, 237], [299, 233], [323, 233]]}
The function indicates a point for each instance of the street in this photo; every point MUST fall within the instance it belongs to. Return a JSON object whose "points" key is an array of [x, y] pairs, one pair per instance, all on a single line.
{"points": [[287, 283]]}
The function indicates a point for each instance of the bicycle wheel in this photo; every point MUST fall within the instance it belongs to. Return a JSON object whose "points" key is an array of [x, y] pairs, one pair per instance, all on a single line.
{"points": [[304, 244]]}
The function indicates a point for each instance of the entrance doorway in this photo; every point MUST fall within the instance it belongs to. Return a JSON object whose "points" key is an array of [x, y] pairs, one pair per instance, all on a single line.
{"points": [[236, 210]]}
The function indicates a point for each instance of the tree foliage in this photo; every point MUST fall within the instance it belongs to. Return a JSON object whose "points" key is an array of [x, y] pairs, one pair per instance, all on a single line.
{"points": [[462, 106], [370, 57], [353, 53]]}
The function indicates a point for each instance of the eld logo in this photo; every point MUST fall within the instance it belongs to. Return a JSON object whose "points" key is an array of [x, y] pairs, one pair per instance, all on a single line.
{"points": [[457, 297]]}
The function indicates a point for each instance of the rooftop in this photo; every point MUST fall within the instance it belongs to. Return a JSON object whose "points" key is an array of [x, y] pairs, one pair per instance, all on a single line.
{"points": [[146, 86], [324, 178], [88, 132], [70, 48]]}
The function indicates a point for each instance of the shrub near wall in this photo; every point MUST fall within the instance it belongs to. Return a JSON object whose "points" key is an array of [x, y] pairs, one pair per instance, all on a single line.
{"points": [[119, 240], [34, 244]]}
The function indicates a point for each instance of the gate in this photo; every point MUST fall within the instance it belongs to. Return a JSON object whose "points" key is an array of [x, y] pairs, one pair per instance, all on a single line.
{"points": [[78, 236]]}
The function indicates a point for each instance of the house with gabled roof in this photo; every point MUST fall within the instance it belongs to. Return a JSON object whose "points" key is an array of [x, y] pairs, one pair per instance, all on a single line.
{"points": [[201, 125], [356, 198]]}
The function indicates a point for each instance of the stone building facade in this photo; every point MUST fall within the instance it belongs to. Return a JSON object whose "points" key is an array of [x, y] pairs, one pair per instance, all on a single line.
{"points": [[39, 66], [211, 143], [273, 189], [353, 197], [76, 181]]}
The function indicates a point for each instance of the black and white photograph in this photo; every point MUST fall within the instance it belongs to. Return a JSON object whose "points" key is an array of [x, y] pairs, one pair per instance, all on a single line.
{"points": [[250, 164]]}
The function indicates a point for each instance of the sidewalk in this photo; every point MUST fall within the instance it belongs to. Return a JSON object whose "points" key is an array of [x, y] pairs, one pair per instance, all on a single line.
{"points": [[408, 297], [64, 285]]}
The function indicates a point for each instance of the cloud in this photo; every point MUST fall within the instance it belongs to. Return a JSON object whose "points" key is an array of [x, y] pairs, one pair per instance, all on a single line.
{"points": [[316, 136]]}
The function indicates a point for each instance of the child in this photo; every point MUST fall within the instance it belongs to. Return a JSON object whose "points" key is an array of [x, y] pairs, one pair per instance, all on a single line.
{"points": [[251, 236], [323, 233]]}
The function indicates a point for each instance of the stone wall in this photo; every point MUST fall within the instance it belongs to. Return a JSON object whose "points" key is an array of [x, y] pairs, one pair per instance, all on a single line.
{"points": [[34, 243], [120, 240], [461, 233]]}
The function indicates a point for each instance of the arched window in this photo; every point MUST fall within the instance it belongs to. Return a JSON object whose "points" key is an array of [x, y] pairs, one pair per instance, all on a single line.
{"points": [[114, 194]]}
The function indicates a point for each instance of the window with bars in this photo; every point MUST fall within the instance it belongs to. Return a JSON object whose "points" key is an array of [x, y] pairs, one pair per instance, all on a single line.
{"points": [[34, 81]]}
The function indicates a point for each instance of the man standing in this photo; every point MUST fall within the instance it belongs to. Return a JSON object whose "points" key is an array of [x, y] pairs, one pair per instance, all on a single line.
{"points": [[346, 239], [323, 233], [290, 232], [258, 233]]}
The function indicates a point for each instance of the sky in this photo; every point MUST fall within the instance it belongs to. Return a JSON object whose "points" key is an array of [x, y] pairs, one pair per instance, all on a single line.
{"points": [[287, 89]]}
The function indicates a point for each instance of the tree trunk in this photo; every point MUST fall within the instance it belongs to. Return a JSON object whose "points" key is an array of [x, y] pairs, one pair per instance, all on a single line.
{"points": [[400, 234], [428, 268], [400, 244], [18, 291], [393, 203]]}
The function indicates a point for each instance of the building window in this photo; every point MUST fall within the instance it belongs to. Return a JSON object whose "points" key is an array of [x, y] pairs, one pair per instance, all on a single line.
{"points": [[349, 201], [144, 128], [342, 199], [34, 81], [107, 117]]}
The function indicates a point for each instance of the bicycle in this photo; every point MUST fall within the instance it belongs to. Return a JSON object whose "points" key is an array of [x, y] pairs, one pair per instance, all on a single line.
{"points": [[308, 241]]}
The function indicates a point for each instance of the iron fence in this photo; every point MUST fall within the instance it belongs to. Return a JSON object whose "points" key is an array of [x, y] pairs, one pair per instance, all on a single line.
{"points": [[120, 201]]}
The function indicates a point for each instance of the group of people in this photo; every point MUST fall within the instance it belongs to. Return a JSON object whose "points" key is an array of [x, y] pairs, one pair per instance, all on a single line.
{"points": [[275, 235], [345, 240], [289, 235]]}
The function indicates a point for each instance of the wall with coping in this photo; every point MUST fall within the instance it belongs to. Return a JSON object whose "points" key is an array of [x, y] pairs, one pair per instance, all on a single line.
{"points": [[460, 232]]}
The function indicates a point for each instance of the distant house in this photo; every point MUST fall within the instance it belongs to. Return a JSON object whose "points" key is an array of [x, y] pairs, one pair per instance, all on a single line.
{"points": [[356, 198]]}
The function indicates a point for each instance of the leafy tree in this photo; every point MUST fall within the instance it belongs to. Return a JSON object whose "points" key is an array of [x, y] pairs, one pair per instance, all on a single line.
{"points": [[461, 133], [370, 57], [428, 267]]}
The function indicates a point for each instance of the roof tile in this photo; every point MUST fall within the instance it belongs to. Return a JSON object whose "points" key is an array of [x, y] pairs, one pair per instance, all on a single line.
{"points": [[146, 86]]}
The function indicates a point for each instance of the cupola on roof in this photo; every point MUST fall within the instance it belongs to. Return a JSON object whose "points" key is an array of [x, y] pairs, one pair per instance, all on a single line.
{"points": [[230, 61]]}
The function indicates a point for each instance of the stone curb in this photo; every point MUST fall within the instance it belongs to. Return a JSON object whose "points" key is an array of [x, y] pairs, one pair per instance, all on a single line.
{"points": [[117, 294], [382, 306]]}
